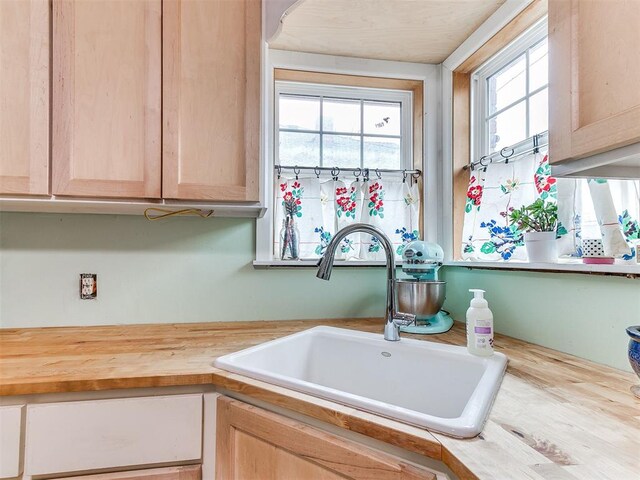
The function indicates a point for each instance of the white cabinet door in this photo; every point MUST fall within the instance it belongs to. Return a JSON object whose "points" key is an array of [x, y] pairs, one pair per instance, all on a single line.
{"points": [[10, 423], [95, 434]]}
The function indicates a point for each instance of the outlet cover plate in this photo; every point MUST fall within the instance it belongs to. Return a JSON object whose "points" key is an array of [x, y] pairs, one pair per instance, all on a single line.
{"points": [[88, 286]]}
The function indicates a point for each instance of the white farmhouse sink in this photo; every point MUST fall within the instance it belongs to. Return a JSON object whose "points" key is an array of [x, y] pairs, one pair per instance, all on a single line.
{"points": [[441, 387]]}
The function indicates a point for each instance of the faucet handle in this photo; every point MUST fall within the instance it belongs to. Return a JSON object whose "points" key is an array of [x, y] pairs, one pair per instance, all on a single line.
{"points": [[404, 319]]}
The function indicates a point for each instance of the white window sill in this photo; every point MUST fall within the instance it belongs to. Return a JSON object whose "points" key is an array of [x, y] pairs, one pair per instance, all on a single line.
{"points": [[563, 266], [260, 264]]}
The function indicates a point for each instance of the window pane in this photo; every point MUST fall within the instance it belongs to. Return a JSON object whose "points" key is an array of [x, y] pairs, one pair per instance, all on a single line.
{"points": [[539, 112], [341, 115], [340, 151], [382, 118], [381, 152], [538, 66], [508, 128], [508, 85], [299, 113], [302, 149]]}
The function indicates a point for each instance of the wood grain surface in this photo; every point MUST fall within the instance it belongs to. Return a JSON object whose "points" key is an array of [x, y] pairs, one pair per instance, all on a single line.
{"points": [[556, 416], [250, 438]]}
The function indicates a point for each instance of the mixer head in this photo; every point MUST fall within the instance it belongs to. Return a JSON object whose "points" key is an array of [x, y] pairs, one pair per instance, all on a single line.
{"points": [[422, 259]]}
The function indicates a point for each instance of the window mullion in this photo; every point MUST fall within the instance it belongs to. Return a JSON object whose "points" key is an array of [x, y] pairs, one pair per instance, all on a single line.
{"points": [[526, 66], [321, 139], [362, 133], [503, 109]]}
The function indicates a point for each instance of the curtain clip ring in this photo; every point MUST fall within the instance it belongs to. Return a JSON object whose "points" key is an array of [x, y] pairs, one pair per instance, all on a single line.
{"points": [[502, 152], [317, 171], [296, 170]]}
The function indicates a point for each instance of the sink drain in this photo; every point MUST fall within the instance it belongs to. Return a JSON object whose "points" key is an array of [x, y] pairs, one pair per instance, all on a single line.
{"points": [[386, 354]]}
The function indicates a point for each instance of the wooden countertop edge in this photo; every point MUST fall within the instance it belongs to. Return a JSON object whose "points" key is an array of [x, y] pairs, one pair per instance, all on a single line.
{"points": [[64, 386]]}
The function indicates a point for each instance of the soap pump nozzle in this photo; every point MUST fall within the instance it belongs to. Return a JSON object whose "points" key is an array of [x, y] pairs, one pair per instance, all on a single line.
{"points": [[478, 298]]}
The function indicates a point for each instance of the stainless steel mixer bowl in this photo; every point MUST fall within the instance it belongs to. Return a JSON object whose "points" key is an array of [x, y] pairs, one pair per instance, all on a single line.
{"points": [[423, 299]]}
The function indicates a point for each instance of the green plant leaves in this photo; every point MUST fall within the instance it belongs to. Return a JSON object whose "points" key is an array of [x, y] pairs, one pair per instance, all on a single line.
{"points": [[540, 216]]}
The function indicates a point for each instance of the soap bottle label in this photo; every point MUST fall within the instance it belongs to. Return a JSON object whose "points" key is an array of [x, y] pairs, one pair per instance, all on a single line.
{"points": [[482, 342], [483, 330]]}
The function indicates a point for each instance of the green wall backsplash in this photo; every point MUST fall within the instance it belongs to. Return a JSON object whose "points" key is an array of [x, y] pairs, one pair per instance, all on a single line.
{"points": [[194, 270], [173, 270], [585, 315]]}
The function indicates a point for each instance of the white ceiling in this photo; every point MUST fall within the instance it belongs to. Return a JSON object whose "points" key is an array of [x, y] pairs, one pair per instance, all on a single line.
{"points": [[424, 31]]}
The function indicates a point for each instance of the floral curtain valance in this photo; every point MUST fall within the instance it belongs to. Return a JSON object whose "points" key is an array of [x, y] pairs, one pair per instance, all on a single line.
{"points": [[595, 208], [320, 207]]}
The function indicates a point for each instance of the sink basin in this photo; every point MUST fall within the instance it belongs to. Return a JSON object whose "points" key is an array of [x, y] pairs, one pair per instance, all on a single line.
{"points": [[440, 387]]}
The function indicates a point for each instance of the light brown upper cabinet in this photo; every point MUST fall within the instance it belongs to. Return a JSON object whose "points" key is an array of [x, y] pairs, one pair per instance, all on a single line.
{"points": [[24, 97], [211, 99], [106, 123], [594, 76]]}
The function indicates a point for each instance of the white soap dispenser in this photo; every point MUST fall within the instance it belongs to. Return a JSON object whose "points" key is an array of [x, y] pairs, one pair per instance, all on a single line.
{"points": [[479, 325]]}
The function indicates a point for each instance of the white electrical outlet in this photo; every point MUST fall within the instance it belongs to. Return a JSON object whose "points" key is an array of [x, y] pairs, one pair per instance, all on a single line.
{"points": [[88, 286]]}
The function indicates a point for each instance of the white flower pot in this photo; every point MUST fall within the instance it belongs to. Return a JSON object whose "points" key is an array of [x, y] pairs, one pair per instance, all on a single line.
{"points": [[541, 247]]}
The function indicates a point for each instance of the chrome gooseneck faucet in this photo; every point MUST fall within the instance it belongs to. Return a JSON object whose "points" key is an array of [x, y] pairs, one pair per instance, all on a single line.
{"points": [[393, 318]]}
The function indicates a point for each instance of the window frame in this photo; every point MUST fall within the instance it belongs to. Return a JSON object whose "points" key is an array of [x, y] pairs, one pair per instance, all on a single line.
{"points": [[340, 92], [423, 80], [480, 89]]}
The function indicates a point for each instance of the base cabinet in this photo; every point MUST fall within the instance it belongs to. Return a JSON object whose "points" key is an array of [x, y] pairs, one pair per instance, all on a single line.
{"points": [[254, 444], [117, 433]]}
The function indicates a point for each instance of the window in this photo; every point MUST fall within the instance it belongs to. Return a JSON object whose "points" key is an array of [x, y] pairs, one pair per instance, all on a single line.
{"points": [[364, 133], [511, 94], [345, 127]]}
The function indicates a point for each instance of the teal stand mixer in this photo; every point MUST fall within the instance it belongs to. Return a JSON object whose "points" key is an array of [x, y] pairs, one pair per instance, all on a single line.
{"points": [[422, 294]]}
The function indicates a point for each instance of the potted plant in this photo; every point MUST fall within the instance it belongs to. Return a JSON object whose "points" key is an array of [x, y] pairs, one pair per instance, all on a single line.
{"points": [[538, 221]]}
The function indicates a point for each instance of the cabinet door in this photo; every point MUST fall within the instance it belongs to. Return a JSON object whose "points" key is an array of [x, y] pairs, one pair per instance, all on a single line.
{"points": [[254, 444], [594, 73], [191, 472], [211, 99], [24, 97], [106, 98]]}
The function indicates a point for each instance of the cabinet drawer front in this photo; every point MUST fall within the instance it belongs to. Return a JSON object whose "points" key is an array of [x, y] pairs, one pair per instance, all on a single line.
{"points": [[75, 436], [10, 422]]}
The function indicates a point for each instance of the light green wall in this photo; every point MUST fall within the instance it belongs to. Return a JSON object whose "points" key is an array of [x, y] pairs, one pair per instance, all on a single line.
{"points": [[173, 270], [194, 270], [585, 315]]}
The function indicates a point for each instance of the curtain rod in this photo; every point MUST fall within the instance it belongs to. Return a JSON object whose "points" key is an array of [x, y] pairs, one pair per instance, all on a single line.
{"points": [[526, 146], [335, 171]]}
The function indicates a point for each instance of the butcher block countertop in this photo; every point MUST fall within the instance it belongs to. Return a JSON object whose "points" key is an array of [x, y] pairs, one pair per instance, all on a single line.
{"points": [[556, 417]]}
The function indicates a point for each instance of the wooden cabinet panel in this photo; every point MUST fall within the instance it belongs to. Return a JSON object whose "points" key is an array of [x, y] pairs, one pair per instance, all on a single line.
{"points": [[24, 97], [211, 99], [254, 444], [191, 472], [106, 98], [594, 73]]}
